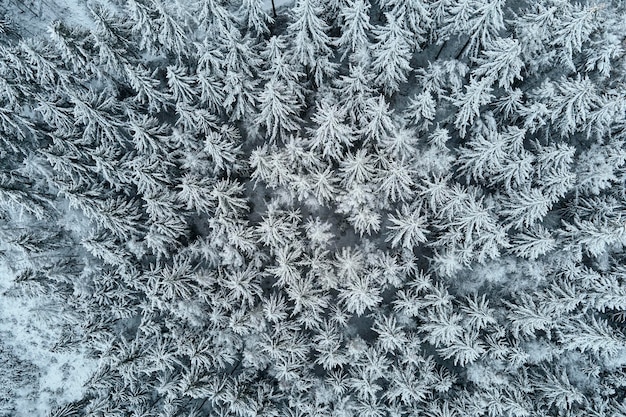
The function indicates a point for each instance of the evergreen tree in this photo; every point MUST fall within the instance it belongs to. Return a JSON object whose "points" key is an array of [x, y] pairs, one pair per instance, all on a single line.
{"points": [[311, 42], [211, 212], [356, 25], [278, 110], [255, 18], [392, 54], [332, 135]]}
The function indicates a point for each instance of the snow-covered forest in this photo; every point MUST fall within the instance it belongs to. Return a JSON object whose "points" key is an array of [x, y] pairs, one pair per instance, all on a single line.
{"points": [[373, 208]]}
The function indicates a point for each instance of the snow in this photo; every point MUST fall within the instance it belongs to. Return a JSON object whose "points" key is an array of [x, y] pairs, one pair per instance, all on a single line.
{"points": [[53, 378], [543, 314], [75, 12], [267, 4], [32, 18]]}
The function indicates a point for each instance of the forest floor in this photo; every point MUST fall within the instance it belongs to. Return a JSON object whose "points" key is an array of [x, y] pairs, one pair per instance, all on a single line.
{"points": [[41, 375]]}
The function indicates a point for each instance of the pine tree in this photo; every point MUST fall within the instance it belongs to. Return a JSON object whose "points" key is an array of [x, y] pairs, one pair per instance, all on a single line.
{"points": [[398, 184], [195, 193], [573, 29], [227, 195], [484, 24], [442, 328], [146, 88], [533, 243], [484, 156], [572, 102], [401, 143], [276, 230], [182, 86], [407, 386], [597, 167], [311, 42], [359, 292], [37, 55], [214, 18], [557, 390], [378, 121], [526, 207], [328, 345], [278, 110], [415, 15], [143, 24], [172, 34], [452, 17], [356, 26], [479, 314], [365, 220], [241, 285], [391, 337], [240, 99], [211, 91], [464, 350], [359, 168], [323, 185], [421, 110], [526, 317], [73, 51], [407, 228], [441, 78], [500, 61], [534, 27], [280, 68], [332, 135], [595, 237], [355, 91], [255, 18], [477, 94], [391, 55], [270, 167]]}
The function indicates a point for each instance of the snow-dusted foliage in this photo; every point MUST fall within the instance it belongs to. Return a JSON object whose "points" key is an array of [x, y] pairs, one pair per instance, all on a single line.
{"points": [[352, 207]]}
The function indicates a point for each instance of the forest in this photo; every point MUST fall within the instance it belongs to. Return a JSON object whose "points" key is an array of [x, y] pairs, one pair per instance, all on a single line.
{"points": [[372, 208]]}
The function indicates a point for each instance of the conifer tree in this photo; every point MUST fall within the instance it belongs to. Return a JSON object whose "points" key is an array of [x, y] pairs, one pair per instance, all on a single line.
{"points": [[255, 18], [278, 110], [392, 54], [355, 93], [332, 135], [311, 42], [356, 25], [227, 214]]}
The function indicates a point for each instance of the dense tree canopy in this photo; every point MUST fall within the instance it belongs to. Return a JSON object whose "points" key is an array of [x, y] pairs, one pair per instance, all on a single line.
{"points": [[373, 208]]}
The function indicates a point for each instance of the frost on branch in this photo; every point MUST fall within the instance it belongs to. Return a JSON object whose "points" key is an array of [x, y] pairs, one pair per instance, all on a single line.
{"points": [[386, 208]]}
